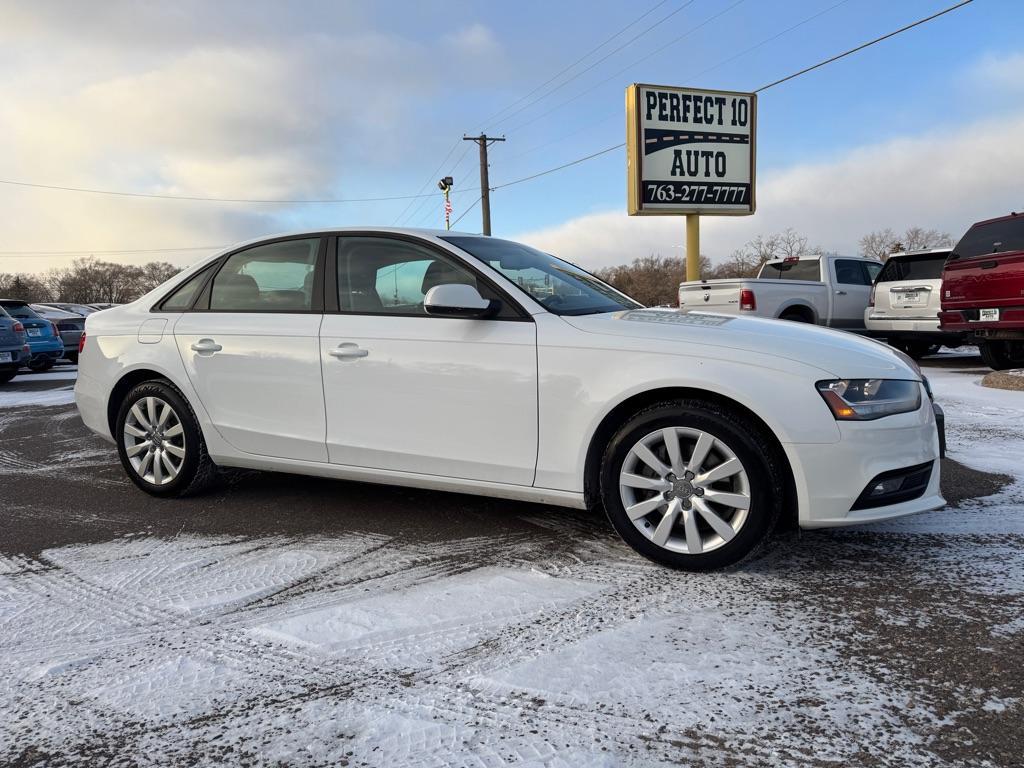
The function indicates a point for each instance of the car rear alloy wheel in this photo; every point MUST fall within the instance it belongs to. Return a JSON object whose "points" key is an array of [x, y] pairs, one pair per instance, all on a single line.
{"points": [[685, 490], [154, 440], [160, 443], [693, 484]]}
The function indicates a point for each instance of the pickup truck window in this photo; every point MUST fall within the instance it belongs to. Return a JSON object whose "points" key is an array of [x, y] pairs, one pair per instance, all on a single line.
{"points": [[805, 269], [852, 272], [924, 267], [994, 237]]}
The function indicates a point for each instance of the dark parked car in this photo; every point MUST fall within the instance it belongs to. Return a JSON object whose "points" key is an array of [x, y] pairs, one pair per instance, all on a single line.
{"points": [[983, 290], [43, 338], [70, 325], [79, 309], [14, 350]]}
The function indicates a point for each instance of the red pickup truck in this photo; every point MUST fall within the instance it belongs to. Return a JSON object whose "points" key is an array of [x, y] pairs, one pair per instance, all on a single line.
{"points": [[983, 290]]}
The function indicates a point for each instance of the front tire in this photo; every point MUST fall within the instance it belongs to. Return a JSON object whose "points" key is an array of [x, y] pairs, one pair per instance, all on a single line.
{"points": [[160, 443], [692, 485]]}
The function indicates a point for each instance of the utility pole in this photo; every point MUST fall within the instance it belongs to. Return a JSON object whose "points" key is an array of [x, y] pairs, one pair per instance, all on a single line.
{"points": [[484, 141]]}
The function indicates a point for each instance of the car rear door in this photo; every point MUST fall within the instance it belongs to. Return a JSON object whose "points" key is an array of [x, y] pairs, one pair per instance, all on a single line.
{"points": [[250, 346], [410, 392]]}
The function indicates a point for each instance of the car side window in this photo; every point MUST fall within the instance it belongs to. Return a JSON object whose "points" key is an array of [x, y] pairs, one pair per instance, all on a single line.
{"points": [[276, 277], [850, 272], [873, 270], [380, 275], [182, 297]]}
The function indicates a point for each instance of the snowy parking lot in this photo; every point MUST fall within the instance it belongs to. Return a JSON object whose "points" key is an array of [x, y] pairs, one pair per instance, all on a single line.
{"points": [[288, 620]]}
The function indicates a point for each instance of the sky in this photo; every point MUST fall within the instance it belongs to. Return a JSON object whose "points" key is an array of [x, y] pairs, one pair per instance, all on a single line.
{"points": [[313, 100]]}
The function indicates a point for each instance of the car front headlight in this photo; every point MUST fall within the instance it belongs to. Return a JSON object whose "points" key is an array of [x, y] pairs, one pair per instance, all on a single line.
{"points": [[867, 399]]}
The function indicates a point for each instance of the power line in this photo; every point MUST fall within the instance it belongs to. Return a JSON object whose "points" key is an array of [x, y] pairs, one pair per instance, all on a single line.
{"points": [[593, 50], [861, 47], [429, 179], [762, 88], [599, 61], [212, 199], [94, 252], [470, 208], [560, 167]]}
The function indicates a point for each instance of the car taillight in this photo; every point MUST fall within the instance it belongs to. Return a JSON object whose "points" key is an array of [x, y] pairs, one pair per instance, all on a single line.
{"points": [[19, 328], [81, 343], [871, 298], [55, 331], [747, 300]]}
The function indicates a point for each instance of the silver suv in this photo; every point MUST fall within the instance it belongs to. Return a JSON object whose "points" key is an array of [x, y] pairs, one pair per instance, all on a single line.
{"points": [[906, 300]]}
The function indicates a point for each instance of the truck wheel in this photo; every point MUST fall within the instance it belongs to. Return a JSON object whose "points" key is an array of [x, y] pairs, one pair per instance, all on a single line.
{"points": [[796, 317], [1001, 355], [692, 485]]}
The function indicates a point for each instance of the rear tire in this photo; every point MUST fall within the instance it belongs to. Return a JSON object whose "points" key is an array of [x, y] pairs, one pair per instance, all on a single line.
{"points": [[72, 357], [693, 521], [1002, 355], [40, 366], [160, 443], [6, 376]]}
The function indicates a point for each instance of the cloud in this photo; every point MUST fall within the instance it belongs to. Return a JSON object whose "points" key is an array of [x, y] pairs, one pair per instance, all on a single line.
{"points": [[1000, 72], [474, 40], [944, 179]]}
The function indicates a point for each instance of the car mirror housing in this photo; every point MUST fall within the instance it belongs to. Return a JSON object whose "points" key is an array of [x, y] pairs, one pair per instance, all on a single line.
{"points": [[459, 300]]}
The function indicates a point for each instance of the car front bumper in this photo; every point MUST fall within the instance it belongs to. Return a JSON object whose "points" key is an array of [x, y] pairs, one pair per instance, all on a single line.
{"points": [[830, 479]]}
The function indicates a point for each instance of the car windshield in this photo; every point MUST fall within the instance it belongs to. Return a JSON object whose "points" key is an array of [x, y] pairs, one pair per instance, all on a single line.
{"points": [[558, 286], [17, 309]]}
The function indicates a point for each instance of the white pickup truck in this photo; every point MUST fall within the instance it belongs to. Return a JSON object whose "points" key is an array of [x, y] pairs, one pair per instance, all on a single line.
{"points": [[826, 290]]}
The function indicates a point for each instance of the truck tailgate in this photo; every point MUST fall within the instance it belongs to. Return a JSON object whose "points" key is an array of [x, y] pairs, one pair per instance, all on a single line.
{"points": [[723, 296], [990, 280]]}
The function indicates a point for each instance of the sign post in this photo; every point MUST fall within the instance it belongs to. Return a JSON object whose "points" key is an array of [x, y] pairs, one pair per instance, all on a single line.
{"points": [[691, 152]]}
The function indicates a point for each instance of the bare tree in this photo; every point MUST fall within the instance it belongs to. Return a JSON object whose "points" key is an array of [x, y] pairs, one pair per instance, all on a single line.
{"points": [[652, 280], [883, 242], [747, 261], [88, 281]]}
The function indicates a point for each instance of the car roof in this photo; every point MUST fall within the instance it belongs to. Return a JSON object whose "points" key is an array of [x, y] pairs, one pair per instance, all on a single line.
{"points": [[12, 301], [920, 252], [1010, 215]]}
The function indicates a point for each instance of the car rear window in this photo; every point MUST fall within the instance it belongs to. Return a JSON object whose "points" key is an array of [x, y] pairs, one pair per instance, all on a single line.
{"points": [[805, 269], [993, 237], [17, 309], [924, 267]]}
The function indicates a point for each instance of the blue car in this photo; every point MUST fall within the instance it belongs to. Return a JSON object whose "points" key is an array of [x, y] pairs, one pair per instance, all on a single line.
{"points": [[14, 351], [44, 341]]}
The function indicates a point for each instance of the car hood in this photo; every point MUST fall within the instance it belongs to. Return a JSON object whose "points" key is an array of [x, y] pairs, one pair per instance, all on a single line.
{"points": [[840, 354]]}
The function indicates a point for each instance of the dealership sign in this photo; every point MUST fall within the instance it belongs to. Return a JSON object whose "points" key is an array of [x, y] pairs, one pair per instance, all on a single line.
{"points": [[690, 151]]}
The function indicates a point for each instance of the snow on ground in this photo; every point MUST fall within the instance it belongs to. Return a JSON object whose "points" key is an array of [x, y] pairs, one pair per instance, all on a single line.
{"points": [[22, 390], [557, 649]]}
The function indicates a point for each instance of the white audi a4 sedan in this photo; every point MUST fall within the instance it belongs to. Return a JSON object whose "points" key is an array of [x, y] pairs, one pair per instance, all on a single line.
{"points": [[473, 364]]}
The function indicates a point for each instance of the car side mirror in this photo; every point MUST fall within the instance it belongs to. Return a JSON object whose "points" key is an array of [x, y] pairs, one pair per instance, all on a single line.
{"points": [[459, 300]]}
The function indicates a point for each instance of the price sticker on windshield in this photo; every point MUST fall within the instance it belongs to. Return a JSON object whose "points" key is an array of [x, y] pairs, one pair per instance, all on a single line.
{"points": [[690, 150]]}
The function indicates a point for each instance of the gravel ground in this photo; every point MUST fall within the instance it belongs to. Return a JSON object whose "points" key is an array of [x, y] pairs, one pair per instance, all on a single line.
{"points": [[298, 621]]}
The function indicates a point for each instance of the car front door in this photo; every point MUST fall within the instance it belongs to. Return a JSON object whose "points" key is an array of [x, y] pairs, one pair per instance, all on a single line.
{"points": [[250, 346], [851, 291], [411, 392]]}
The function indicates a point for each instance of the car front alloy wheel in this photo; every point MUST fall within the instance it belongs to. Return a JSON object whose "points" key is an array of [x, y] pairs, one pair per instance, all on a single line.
{"points": [[692, 484]]}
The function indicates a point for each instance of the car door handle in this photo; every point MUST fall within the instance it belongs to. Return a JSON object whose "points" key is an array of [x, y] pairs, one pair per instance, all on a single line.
{"points": [[206, 346], [348, 351], [840, 293]]}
